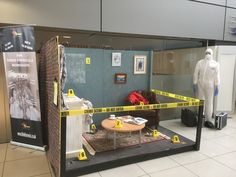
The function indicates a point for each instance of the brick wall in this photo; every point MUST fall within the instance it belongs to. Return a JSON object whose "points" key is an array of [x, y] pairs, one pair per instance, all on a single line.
{"points": [[49, 72]]}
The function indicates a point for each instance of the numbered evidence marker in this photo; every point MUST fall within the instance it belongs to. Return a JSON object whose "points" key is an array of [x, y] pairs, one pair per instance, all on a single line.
{"points": [[155, 133], [175, 139], [87, 60], [82, 155], [70, 92], [93, 128], [118, 123]]}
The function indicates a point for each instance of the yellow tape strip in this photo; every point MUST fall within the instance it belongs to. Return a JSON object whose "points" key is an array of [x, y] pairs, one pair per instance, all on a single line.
{"points": [[131, 108], [172, 95]]}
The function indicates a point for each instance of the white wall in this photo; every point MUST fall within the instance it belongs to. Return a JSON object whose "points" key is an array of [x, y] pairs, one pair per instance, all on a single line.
{"points": [[175, 18], [227, 59], [231, 3], [75, 14], [179, 18], [219, 2]]}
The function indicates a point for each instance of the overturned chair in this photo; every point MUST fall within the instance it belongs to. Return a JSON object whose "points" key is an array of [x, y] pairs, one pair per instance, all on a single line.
{"points": [[147, 97]]}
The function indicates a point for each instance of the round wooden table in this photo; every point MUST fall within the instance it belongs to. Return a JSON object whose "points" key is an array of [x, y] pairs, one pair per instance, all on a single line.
{"points": [[109, 125]]}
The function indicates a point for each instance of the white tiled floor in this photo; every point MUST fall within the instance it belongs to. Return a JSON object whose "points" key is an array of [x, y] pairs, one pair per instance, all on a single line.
{"points": [[132, 170], [216, 158], [210, 168], [151, 166], [176, 171], [22, 162]]}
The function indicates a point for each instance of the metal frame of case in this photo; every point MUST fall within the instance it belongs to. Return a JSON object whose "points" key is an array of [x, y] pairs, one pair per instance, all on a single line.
{"points": [[106, 165], [57, 132]]}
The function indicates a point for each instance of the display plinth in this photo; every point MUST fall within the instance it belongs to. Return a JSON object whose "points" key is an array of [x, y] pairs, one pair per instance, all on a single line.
{"points": [[56, 122], [119, 157]]}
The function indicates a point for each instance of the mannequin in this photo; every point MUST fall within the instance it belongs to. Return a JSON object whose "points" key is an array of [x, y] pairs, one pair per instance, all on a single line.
{"points": [[206, 80]]}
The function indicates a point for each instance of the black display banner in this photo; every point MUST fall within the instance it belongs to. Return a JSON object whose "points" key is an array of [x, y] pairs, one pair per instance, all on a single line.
{"points": [[22, 84], [18, 39]]}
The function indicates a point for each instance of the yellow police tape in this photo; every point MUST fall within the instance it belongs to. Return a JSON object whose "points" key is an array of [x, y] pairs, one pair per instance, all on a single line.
{"points": [[172, 95], [131, 108]]}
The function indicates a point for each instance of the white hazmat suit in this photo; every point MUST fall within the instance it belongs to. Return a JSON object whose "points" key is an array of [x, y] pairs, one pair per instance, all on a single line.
{"points": [[207, 78]]}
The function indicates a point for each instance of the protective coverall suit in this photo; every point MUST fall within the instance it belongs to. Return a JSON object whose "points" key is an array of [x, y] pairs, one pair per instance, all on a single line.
{"points": [[207, 79]]}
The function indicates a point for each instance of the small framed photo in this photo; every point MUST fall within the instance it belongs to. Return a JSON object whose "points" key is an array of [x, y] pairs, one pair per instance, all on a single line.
{"points": [[116, 59], [120, 78], [140, 64]]}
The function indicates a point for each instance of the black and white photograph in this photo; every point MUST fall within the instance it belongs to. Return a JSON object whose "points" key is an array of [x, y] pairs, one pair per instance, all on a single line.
{"points": [[22, 86], [116, 59], [140, 64]]}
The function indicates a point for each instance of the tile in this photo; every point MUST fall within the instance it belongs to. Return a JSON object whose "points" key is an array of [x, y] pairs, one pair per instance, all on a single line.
{"points": [[188, 157], [173, 172], [186, 134], [210, 168], [232, 116], [228, 142], [189, 136], [231, 119], [211, 133], [227, 159], [3, 148], [228, 130], [231, 122], [211, 149], [26, 167], [17, 152], [232, 125], [233, 135], [191, 131], [154, 165], [173, 122], [44, 175], [91, 175], [1, 168], [178, 127], [124, 171]]}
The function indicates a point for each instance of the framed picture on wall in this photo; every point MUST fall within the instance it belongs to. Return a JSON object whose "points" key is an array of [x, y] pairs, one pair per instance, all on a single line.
{"points": [[116, 59], [140, 64], [120, 78]]}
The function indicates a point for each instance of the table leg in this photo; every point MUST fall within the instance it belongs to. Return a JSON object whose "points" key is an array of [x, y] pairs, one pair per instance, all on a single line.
{"points": [[114, 140], [140, 134], [107, 135]]}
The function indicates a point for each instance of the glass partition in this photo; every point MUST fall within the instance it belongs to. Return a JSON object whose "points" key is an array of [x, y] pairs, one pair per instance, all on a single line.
{"points": [[172, 71]]}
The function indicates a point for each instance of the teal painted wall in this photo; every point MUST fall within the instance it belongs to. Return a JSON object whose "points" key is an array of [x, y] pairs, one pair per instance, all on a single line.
{"points": [[96, 83]]}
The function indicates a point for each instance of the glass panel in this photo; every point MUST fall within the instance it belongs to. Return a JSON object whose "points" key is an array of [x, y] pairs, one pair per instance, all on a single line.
{"points": [[173, 72]]}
